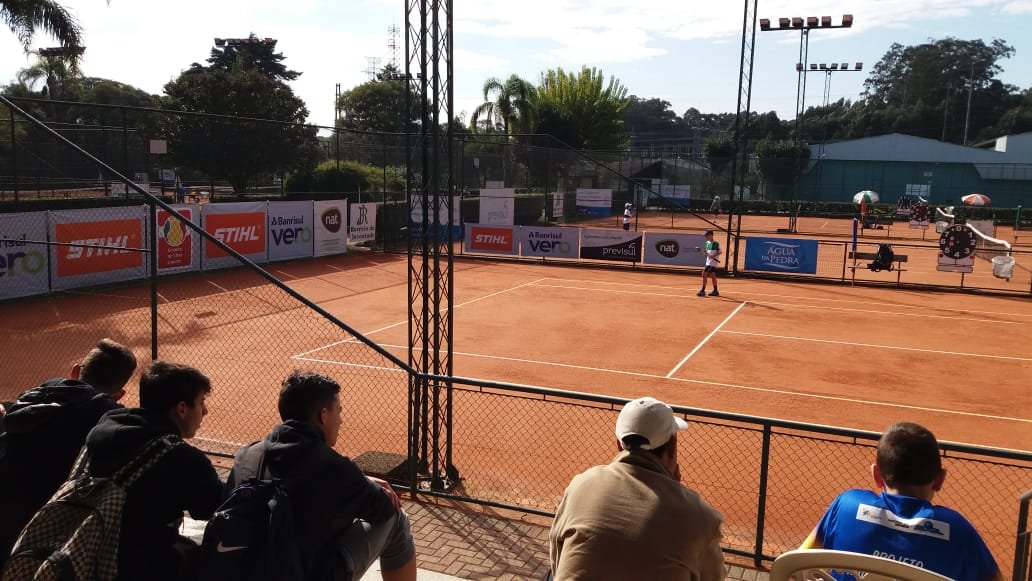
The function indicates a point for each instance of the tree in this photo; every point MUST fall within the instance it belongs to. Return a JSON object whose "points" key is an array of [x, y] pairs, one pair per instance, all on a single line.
{"points": [[589, 109], [718, 151], [233, 148], [508, 107], [25, 17], [377, 106], [257, 54], [54, 71], [780, 162]]}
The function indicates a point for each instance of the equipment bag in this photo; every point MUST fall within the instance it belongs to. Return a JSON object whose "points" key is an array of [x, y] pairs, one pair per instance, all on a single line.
{"points": [[883, 258]]}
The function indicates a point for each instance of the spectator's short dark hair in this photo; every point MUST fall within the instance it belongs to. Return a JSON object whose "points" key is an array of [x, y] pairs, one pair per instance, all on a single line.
{"points": [[163, 385], [635, 442], [304, 393], [908, 455], [108, 366]]}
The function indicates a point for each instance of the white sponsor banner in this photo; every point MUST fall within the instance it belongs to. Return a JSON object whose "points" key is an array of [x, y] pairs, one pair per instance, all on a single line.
{"points": [[550, 242], [331, 227], [243, 226], [596, 202], [558, 205], [416, 210], [179, 246], [90, 246], [497, 206], [290, 230], [676, 192], [488, 184], [674, 249], [23, 264], [363, 223]]}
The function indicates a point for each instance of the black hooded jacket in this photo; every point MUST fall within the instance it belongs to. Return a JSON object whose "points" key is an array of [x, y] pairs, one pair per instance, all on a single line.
{"points": [[45, 429], [327, 491], [183, 480]]}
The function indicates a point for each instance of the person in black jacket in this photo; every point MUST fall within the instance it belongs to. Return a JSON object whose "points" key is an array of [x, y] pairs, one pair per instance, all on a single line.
{"points": [[45, 428], [344, 520], [172, 402]]}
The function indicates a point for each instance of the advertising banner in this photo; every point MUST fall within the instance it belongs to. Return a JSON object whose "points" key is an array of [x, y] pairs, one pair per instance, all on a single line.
{"points": [[363, 223], [331, 227], [781, 255], [550, 242], [23, 264], [597, 203], [617, 245], [674, 249], [91, 242], [290, 230], [241, 226], [491, 239], [682, 194], [497, 206], [416, 210], [558, 205], [178, 244]]}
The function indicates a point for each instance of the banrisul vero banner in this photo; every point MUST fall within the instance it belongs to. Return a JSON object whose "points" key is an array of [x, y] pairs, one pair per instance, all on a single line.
{"points": [[97, 246], [331, 227], [491, 239], [497, 206], [617, 245], [781, 255], [178, 244], [550, 242], [291, 232], [594, 202], [363, 223], [674, 249], [23, 260], [241, 226]]}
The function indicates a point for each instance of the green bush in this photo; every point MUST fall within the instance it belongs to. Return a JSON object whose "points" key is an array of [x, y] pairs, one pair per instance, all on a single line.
{"points": [[351, 176]]}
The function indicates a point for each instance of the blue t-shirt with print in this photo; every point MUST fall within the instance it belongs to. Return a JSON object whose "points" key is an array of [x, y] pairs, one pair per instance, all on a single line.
{"points": [[906, 529]]}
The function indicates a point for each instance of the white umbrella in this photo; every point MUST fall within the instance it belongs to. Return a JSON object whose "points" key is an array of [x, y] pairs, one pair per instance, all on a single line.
{"points": [[976, 200], [866, 195]]}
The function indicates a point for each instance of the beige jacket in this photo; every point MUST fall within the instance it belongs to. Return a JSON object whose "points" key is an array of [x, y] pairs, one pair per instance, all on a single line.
{"points": [[631, 520]]}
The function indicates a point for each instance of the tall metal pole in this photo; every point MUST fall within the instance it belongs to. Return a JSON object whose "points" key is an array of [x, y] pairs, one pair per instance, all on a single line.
{"points": [[740, 159], [14, 156], [971, 87]]}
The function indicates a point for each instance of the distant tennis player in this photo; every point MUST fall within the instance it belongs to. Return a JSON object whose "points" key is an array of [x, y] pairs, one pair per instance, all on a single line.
{"points": [[627, 216], [712, 253]]}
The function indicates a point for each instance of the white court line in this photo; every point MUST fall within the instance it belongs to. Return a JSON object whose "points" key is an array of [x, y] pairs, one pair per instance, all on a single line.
{"points": [[218, 286], [392, 325], [346, 364], [879, 346], [704, 341]]}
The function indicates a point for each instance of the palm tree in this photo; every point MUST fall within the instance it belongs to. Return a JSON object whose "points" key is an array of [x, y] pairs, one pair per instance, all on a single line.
{"points": [[53, 70], [508, 106], [24, 17]]}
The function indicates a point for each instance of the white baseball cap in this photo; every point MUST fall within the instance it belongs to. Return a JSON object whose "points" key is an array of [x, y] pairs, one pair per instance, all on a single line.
{"points": [[649, 418]]}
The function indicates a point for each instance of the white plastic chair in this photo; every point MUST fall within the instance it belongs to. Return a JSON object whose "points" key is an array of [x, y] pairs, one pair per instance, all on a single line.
{"points": [[813, 564]]}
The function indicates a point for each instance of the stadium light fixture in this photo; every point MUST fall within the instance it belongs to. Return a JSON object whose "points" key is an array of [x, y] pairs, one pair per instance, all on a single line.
{"points": [[765, 24], [249, 41], [61, 51]]}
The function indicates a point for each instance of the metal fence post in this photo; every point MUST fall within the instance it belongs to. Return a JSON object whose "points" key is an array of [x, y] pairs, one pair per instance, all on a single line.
{"points": [[761, 508], [154, 278], [14, 156], [1022, 543], [125, 151]]}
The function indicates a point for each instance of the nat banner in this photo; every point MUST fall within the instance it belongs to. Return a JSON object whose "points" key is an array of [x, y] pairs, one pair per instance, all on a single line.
{"points": [[781, 255], [23, 255], [674, 249], [550, 242], [178, 244], [362, 226], [241, 226], [290, 230], [616, 245], [597, 203], [97, 246], [331, 227], [491, 239], [496, 206]]}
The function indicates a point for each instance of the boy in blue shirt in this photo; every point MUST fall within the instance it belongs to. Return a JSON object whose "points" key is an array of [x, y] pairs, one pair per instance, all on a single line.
{"points": [[901, 523]]}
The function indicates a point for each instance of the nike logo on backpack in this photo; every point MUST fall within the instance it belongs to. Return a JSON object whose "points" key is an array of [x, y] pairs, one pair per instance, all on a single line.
{"points": [[224, 549]]}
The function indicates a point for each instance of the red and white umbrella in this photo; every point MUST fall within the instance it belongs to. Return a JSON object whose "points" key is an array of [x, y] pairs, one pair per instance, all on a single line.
{"points": [[976, 200]]}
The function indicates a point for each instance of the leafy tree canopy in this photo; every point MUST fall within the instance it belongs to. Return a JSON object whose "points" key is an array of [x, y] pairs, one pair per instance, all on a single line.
{"points": [[257, 54]]}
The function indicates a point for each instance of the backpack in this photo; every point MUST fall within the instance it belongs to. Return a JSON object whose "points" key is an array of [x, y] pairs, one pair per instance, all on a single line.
{"points": [[883, 258], [251, 535], [75, 534]]}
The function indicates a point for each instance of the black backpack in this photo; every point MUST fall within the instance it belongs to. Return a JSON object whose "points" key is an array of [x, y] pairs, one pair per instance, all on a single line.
{"points": [[883, 258], [251, 537]]}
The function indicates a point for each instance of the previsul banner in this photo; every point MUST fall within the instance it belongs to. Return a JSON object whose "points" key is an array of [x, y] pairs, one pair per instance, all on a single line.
{"points": [[550, 242], [178, 244], [91, 246], [23, 260], [674, 249], [481, 239], [363, 223], [290, 230], [616, 245], [781, 255], [331, 227], [497, 206], [594, 202], [241, 226]]}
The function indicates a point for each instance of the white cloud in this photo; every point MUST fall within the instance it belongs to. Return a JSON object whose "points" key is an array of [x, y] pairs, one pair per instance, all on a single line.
{"points": [[1018, 7]]}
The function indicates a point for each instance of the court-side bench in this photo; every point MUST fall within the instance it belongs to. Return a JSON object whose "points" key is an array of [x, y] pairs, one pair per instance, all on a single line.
{"points": [[868, 257]]}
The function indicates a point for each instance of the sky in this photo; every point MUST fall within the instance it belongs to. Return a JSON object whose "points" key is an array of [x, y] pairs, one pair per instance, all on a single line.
{"points": [[683, 51]]}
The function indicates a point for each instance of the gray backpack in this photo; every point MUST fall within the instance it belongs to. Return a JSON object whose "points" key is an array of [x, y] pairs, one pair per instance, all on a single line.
{"points": [[75, 535]]}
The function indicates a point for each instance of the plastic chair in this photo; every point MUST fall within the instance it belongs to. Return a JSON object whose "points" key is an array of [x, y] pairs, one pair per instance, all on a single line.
{"points": [[807, 565]]}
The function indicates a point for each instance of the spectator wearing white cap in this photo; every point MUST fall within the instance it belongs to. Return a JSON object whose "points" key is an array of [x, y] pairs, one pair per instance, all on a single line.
{"points": [[632, 518], [627, 216]]}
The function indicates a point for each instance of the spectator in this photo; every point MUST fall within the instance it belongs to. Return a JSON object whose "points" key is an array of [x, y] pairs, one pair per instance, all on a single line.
{"points": [[632, 518], [627, 216], [50, 423], [343, 519], [172, 402], [714, 206], [901, 523]]}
